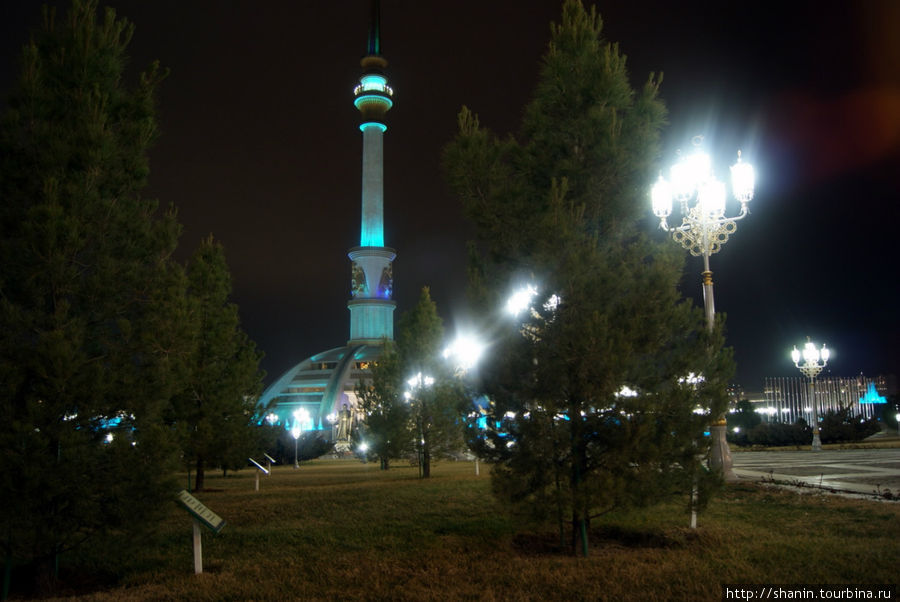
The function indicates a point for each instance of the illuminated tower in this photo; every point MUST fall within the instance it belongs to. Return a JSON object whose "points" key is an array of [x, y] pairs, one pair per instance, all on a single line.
{"points": [[320, 392], [371, 306]]}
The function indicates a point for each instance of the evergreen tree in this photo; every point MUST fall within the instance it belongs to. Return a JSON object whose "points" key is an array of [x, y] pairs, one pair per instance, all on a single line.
{"points": [[559, 207], [434, 394], [214, 415], [92, 328], [386, 427], [414, 402]]}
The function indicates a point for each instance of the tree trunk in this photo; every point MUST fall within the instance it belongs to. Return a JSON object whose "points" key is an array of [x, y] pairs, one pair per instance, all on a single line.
{"points": [[45, 576], [426, 457], [385, 463], [198, 482]]}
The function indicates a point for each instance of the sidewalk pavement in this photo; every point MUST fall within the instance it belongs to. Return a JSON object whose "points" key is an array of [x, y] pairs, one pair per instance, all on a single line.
{"points": [[861, 471]]}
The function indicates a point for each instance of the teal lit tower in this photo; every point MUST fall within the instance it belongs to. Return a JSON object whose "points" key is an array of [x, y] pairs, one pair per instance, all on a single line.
{"points": [[319, 393], [371, 304]]}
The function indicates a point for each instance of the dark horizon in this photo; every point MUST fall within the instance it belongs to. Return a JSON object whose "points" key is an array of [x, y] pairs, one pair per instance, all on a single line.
{"points": [[260, 146]]}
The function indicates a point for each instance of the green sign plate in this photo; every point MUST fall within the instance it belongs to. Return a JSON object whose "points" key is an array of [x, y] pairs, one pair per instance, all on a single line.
{"points": [[210, 519]]}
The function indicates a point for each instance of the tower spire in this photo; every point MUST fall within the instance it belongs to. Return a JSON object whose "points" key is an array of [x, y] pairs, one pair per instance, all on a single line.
{"points": [[371, 305], [374, 46]]}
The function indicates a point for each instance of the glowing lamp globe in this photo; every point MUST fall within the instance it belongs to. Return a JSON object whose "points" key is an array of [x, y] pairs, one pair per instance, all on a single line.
{"points": [[743, 180], [711, 197], [688, 173], [662, 198], [810, 353]]}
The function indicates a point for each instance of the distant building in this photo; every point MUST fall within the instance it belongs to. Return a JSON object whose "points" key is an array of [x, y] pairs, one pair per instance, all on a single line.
{"points": [[787, 398], [324, 385]]}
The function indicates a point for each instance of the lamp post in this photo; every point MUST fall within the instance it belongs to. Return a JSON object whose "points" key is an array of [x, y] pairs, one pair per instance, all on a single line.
{"points": [[301, 415], [703, 230], [811, 368], [295, 432]]}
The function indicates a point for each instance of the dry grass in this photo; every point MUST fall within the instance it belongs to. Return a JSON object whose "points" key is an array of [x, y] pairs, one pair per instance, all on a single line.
{"points": [[341, 530]]}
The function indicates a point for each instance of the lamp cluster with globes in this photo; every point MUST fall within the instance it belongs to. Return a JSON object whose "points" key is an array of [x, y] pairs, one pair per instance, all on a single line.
{"points": [[811, 367], [704, 228]]}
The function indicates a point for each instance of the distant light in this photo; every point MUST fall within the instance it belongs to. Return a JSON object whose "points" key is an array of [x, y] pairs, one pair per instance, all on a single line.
{"points": [[418, 381], [736, 429], [626, 391], [521, 299], [109, 437], [465, 352], [552, 303], [302, 417], [363, 447], [691, 379]]}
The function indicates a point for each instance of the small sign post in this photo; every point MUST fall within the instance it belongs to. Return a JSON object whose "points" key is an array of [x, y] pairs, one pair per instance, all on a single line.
{"points": [[269, 461], [260, 469], [201, 515]]}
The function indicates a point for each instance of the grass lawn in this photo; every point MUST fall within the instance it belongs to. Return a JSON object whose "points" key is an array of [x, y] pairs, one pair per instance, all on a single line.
{"points": [[340, 529]]}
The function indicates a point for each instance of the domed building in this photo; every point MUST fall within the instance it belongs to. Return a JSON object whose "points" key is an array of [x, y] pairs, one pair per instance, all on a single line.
{"points": [[319, 392]]}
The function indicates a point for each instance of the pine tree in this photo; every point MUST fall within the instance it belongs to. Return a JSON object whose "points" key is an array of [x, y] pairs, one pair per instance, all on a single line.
{"points": [[92, 327], [214, 415], [434, 394], [559, 207], [386, 427], [414, 402]]}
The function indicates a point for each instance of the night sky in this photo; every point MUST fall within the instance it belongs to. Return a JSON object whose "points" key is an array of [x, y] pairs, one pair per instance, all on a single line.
{"points": [[260, 146]]}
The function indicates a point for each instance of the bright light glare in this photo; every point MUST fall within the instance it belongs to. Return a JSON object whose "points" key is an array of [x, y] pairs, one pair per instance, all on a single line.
{"points": [[363, 447], [109, 437], [521, 300], [711, 198], [626, 391], [465, 352], [552, 303], [420, 381], [688, 173], [743, 180], [661, 194], [691, 379], [301, 417]]}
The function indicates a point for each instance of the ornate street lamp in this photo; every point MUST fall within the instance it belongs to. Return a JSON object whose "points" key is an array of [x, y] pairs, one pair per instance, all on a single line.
{"points": [[295, 433], [703, 230], [811, 368]]}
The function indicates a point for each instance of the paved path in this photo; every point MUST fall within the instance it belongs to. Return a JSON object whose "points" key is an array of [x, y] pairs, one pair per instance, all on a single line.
{"points": [[853, 470]]}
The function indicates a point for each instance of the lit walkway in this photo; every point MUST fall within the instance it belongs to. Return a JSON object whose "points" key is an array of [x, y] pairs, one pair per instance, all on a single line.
{"points": [[853, 470]]}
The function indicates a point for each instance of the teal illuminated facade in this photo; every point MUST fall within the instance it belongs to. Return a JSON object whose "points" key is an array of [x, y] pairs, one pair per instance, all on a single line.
{"points": [[325, 384]]}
